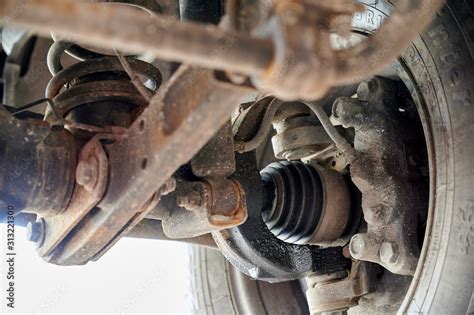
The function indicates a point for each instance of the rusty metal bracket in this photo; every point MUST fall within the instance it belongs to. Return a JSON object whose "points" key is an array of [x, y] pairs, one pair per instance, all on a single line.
{"points": [[91, 178], [206, 206], [169, 132]]}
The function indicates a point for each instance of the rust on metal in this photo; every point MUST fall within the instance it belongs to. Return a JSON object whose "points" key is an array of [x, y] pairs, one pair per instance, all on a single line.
{"points": [[162, 139], [83, 199], [166, 188], [292, 58], [297, 40], [167, 38], [228, 205], [206, 206]]}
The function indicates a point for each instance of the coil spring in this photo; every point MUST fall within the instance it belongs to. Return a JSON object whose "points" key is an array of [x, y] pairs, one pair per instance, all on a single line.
{"points": [[98, 79]]}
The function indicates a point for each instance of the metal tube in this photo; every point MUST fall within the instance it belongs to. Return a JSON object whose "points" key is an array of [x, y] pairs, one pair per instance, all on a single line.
{"points": [[152, 229], [37, 165], [133, 31], [205, 45], [263, 130], [345, 147]]}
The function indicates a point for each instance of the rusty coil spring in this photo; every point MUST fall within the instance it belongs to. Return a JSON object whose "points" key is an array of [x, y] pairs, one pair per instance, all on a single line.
{"points": [[97, 78]]}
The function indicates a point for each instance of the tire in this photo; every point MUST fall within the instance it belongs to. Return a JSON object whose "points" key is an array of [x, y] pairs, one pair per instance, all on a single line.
{"points": [[439, 72]]}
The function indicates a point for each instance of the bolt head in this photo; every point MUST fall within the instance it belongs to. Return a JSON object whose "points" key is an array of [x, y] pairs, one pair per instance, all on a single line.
{"points": [[357, 246], [348, 111], [388, 252], [365, 89], [192, 201], [168, 187], [87, 172], [339, 108]]}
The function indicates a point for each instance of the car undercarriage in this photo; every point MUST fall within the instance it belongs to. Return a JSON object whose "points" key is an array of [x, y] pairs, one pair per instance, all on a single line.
{"points": [[298, 138]]}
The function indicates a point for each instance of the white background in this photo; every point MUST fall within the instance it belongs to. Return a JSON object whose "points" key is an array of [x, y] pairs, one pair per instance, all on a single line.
{"points": [[135, 276]]}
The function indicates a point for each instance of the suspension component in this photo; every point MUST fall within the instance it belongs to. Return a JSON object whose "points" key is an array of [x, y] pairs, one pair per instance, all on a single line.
{"points": [[300, 31], [253, 249], [37, 165], [90, 95], [200, 207], [99, 91], [390, 202], [335, 293], [162, 139], [299, 133], [305, 204]]}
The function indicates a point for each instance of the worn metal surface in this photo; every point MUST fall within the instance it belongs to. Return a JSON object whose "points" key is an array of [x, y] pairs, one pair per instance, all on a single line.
{"points": [[216, 158], [165, 37], [87, 193], [339, 291], [152, 229], [163, 138], [300, 50], [390, 201], [205, 206], [168, 187], [193, 106], [36, 165], [213, 203]]}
